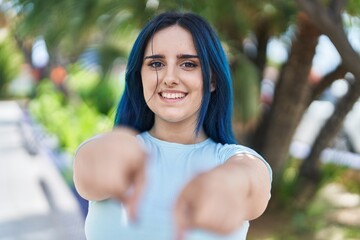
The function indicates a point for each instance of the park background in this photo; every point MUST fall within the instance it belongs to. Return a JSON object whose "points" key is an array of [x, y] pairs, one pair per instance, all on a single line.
{"points": [[296, 78]]}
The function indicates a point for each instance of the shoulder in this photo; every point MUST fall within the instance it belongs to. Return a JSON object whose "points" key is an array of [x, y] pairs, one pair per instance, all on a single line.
{"points": [[226, 151], [229, 150]]}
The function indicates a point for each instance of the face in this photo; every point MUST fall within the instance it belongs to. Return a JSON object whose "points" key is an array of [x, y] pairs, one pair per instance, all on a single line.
{"points": [[171, 77]]}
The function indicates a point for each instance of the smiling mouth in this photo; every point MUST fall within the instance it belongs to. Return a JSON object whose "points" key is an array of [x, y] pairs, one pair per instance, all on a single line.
{"points": [[177, 95]]}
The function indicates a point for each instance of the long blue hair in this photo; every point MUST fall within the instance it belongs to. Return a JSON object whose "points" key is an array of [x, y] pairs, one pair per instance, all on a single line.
{"points": [[215, 114]]}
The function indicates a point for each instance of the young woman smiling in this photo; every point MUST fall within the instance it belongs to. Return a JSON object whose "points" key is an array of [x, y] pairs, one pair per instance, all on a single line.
{"points": [[171, 164]]}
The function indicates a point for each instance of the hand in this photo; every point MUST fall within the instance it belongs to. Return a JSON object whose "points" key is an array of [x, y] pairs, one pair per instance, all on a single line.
{"points": [[212, 201], [112, 166]]}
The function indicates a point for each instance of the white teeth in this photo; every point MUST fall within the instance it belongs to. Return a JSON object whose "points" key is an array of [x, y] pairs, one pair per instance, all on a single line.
{"points": [[172, 95]]}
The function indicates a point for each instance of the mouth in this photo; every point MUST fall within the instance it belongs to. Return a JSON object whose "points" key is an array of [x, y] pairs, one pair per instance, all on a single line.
{"points": [[172, 95]]}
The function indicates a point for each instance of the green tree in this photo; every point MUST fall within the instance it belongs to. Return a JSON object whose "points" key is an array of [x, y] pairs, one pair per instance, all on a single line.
{"points": [[328, 18]]}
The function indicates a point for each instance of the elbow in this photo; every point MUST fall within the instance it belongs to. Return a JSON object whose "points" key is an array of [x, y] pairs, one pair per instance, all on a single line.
{"points": [[79, 181], [258, 209], [259, 199], [83, 176], [84, 186]]}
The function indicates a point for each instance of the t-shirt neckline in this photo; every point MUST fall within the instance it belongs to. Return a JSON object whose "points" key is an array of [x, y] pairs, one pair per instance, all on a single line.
{"points": [[174, 144]]}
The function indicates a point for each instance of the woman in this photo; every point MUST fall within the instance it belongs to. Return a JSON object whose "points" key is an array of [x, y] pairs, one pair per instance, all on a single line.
{"points": [[180, 173]]}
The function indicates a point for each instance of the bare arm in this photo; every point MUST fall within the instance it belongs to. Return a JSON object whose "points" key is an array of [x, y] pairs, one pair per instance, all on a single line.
{"points": [[256, 179], [108, 165], [223, 198]]}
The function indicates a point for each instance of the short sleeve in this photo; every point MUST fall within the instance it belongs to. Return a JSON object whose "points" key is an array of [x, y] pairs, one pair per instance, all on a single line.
{"points": [[85, 142], [228, 150]]}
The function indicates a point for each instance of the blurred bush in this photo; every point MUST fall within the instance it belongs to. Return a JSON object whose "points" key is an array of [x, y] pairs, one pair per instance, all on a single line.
{"points": [[86, 110], [10, 61], [100, 91]]}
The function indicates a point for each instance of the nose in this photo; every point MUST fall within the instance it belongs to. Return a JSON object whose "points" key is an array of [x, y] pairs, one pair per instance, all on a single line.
{"points": [[171, 78]]}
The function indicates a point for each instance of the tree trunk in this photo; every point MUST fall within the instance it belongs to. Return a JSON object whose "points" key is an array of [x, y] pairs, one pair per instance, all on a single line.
{"points": [[309, 174], [291, 97], [328, 18], [327, 80], [262, 37]]}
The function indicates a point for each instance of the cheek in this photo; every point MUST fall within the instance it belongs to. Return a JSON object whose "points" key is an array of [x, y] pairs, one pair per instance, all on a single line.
{"points": [[199, 87], [149, 85], [200, 93], [198, 82]]}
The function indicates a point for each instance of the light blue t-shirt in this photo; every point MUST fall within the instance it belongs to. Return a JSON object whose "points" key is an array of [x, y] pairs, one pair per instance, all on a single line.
{"points": [[169, 167]]}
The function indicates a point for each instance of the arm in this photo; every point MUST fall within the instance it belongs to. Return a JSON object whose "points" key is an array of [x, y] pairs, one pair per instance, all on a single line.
{"points": [[256, 179], [221, 199], [108, 165]]}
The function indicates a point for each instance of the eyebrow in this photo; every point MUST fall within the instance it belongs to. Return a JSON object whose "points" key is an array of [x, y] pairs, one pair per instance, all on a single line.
{"points": [[180, 56]]}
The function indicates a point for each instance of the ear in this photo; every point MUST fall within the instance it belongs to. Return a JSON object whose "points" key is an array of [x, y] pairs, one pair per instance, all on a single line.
{"points": [[212, 84]]}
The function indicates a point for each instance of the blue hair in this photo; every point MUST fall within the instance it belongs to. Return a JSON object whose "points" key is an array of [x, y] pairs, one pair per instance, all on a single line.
{"points": [[215, 114]]}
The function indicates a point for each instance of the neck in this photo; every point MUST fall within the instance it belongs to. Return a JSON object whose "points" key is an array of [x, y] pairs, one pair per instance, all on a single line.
{"points": [[177, 133]]}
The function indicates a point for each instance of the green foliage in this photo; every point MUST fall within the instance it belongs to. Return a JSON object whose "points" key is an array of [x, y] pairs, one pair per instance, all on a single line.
{"points": [[85, 111], [350, 179], [81, 81], [101, 92], [311, 219], [331, 172], [286, 182], [352, 233], [315, 217], [353, 7], [246, 90], [72, 122], [103, 97], [71, 26], [10, 60]]}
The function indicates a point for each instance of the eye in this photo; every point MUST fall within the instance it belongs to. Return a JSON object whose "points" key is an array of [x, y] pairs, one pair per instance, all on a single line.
{"points": [[189, 65], [156, 64]]}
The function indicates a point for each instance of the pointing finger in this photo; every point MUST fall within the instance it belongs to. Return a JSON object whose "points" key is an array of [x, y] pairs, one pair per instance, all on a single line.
{"points": [[134, 197]]}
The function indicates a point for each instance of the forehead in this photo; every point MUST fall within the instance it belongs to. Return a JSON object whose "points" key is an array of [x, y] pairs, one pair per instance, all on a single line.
{"points": [[171, 39]]}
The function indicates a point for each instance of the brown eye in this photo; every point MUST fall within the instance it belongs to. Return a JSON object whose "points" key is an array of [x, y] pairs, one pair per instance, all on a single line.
{"points": [[189, 65], [156, 64]]}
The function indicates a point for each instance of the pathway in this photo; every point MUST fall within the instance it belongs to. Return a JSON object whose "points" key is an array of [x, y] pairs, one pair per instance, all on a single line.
{"points": [[35, 202]]}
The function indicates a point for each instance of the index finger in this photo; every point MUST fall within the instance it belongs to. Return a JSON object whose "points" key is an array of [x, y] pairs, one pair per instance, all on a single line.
{"points": [[180, 220], [132, 200], [183, 213]]}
